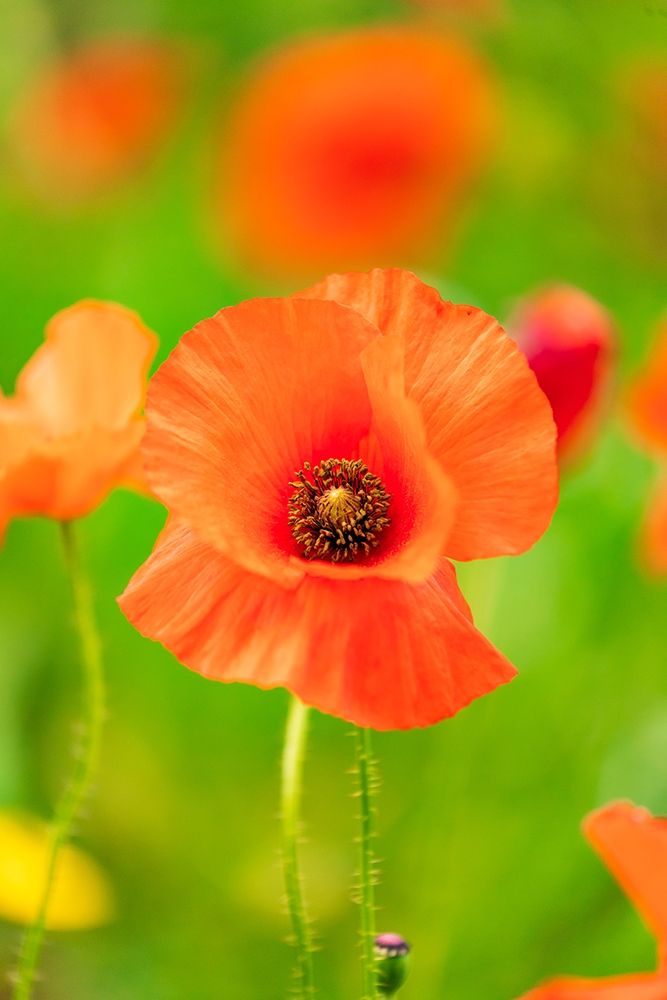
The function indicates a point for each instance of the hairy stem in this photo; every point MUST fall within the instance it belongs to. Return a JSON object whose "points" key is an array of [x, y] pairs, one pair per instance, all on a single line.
{"points": [[367, 781], [292, 773], [86, 755]]}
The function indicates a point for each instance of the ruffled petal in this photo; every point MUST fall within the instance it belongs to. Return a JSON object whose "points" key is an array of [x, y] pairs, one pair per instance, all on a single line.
{"points": [[633, 845], [378, 653], [244, 400], [641, 987], [423, 498], [486, 420], [91, 371]]}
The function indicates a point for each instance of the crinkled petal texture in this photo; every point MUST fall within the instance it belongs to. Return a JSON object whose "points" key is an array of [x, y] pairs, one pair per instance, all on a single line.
{"points": [[72, 431], [381, 653], [641, 987], [486, 421], [251, 395]]}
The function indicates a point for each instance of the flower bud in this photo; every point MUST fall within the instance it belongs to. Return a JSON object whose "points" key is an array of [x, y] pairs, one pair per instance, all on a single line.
{"points": [[392, 953], [569, 341]]}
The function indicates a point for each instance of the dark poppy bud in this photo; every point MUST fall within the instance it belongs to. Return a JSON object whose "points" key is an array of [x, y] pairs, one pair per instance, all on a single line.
{"points": [[393, 962]]}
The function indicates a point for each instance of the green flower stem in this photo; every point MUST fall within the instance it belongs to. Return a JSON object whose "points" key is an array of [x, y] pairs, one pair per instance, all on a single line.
{"points": [[86, 758], [367, 782], [292, 773]]}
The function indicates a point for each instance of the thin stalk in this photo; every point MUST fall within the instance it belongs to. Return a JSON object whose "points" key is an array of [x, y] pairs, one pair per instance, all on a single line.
{"points": [[367, 782], [85, 758], [292, 774]]}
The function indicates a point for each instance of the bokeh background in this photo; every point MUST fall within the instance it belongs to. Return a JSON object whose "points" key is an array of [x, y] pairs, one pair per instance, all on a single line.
{"points": [[483, 866]]}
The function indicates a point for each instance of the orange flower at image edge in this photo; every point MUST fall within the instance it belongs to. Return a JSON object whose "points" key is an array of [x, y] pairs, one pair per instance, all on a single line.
{"points": [[353, 148], [72, 430], [647, 406], [633, 845], [320, 457]]}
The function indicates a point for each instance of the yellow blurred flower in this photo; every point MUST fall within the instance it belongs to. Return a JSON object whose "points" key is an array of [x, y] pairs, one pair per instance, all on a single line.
{"points": [[82, 896]]}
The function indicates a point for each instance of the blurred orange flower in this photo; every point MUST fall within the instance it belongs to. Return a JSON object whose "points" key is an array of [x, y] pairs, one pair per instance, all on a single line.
{"points": [[90, 118], [320, 455], [72, 430], [353, 149], [633, 845], [570, 344], [647, 409]]}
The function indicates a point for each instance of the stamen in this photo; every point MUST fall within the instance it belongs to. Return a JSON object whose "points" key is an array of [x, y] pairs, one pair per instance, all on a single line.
{"points": [[338, 510]]}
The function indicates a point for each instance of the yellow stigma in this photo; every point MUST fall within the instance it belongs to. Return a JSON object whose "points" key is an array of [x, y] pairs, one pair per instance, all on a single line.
{"points": [[338, 506]]}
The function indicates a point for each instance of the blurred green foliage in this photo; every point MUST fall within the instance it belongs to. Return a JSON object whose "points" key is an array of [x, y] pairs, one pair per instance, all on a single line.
{"points": [[484, 869]]}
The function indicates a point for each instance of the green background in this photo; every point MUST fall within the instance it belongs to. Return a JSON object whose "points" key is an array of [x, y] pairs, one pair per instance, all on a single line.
{"points": [[483, 866]]}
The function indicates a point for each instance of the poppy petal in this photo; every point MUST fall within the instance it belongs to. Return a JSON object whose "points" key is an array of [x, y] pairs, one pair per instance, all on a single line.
{"points": [[423, 498], [91, 371], [633, 845], [244, 400], [69, 477], [486, 420], [642, 987], [382, 653]]}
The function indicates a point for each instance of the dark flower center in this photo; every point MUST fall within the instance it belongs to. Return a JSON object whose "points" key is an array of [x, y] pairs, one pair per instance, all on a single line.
{"points": [[338, 510]]}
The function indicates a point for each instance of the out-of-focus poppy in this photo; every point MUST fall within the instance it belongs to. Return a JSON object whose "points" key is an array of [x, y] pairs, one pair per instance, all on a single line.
{"points": [[91, 118], [320, 456], [72, 430], [633, 845], [353, 149], [81, 897], [647, 409], [569, 341]]}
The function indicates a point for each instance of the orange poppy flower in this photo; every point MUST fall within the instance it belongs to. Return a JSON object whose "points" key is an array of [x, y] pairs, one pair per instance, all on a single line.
{"points": [[647, 409], [633, 845], [570, 344], [89, 119], [353, 149], [320, 456], [72, 430]]}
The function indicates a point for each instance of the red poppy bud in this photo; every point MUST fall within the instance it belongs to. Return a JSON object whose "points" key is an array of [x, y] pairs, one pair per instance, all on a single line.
{"points": [[569, 341]]}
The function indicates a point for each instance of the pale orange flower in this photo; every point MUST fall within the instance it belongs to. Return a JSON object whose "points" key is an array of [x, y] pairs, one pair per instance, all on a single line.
{"points": [[353, 149], [72, 430]]}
